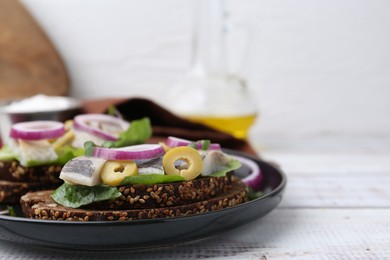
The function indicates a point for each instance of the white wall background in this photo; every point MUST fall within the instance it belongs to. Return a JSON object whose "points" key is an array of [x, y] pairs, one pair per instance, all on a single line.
{"points": [[317, 68]]}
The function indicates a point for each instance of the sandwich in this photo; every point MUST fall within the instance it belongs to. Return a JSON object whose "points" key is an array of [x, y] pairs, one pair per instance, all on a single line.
{"points": [[175, 178], [33, 157], [29, 160]]}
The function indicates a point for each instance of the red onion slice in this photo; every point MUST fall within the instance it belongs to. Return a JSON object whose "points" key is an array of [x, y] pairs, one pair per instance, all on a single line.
{"points": [[255, 179], [214, 146], [37, 130], [95, 124], [133, 152], [175, 141]]}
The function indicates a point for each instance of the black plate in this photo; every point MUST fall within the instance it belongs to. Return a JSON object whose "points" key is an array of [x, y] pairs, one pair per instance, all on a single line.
{"points": [[146, 233]]}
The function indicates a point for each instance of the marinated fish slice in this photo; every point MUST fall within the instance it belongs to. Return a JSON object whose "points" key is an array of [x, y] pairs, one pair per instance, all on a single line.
{"points": [[83, 170], [150, 166], [213, 161], [37, 150]]}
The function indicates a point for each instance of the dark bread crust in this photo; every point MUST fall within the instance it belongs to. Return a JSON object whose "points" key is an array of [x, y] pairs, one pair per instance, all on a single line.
{"points": [[10, 192], [40, 205], [140, 196], [13, 171]]}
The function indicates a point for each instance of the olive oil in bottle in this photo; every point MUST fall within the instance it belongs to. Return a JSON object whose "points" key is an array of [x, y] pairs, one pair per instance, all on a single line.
{"points": [[238, 126]]}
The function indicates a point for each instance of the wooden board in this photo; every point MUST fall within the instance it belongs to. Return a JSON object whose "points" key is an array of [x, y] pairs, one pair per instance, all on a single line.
{"points": [[29, 63]]}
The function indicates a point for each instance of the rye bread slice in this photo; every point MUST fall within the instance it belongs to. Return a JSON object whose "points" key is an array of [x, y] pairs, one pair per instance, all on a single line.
{"points": [[10, 192], [39, 205], [140, 196], [13, 171]]}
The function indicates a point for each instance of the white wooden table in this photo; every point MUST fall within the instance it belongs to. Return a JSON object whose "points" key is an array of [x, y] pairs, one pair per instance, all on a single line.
{"points": [[336, 206]]}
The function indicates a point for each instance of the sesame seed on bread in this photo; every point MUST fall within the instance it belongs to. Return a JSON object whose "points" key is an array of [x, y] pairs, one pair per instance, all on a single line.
{"points": [[40, 205]]}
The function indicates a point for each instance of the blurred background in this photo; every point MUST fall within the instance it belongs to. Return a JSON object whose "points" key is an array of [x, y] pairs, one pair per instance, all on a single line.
{"points": [[315, 68]]}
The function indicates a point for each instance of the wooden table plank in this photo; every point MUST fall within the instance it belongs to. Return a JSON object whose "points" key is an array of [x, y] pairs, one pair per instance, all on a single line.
{"points": [[283, 234], [319, 233], [330, 144], [310, 163], [337, 190], [342, 179]]}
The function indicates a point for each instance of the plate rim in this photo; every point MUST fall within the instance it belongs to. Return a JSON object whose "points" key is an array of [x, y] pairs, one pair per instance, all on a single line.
{"points": [[275, 192]]}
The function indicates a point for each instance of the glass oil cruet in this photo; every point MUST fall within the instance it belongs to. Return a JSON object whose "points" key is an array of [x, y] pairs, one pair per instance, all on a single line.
{"points": [[209, 94]]}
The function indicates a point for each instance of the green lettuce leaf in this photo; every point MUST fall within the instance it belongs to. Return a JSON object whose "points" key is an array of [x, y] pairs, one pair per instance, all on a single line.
{"points": [[252, 194], [11, 211], [33, 163], [89, 147], [66, 153], [6, 154], [232, 165], [113, 111], [74, 196], [149, 179], [139, 131]]}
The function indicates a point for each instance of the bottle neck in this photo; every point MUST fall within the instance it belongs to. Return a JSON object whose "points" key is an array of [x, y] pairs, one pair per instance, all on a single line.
{"points": [[209, 43]]}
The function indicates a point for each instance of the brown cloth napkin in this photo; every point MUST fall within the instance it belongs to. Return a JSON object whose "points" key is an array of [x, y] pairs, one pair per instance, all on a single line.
{"points": [[165, 123]]}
